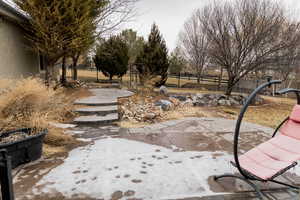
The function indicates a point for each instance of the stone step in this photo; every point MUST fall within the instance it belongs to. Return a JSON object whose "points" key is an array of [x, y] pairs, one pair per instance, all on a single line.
{"points": [[96, 119], [97, 102], [97, 110]]}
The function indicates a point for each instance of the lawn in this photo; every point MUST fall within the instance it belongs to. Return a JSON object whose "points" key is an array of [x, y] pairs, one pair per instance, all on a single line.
{"points": [[270, 114]]}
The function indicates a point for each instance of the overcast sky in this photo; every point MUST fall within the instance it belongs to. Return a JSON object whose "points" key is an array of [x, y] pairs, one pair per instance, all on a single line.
{"points": [[170, 15]]}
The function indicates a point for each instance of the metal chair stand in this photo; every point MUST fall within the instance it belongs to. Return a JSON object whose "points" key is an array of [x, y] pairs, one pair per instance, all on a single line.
{"points": [[246, 176]]}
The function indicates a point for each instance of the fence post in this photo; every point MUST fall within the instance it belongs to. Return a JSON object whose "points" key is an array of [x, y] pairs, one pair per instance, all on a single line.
{"points": [[5, 176], [179, 80]]}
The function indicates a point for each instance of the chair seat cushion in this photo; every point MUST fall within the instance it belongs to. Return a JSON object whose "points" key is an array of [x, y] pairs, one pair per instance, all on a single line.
{"points": [[268, 159], [291, 128], [295, 115]]}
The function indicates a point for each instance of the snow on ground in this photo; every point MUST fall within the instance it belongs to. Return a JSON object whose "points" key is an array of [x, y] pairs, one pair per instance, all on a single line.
{"points": [[152, 172]]}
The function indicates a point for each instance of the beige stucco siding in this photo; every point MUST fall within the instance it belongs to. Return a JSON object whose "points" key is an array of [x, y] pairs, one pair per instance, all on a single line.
{"points": [[16, 59]]}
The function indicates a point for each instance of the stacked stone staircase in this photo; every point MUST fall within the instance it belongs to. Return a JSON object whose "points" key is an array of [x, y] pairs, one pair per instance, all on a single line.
{"points": [[101, 108]]}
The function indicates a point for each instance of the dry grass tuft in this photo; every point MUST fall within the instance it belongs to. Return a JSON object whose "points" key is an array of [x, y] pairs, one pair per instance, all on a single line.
{"points": [[183, 112], [29, 103], [58, 142], [130, 124], [270, 114]]}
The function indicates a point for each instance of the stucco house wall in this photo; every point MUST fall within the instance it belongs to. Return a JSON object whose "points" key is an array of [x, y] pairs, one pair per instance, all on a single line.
{"points": [[16, 58]]}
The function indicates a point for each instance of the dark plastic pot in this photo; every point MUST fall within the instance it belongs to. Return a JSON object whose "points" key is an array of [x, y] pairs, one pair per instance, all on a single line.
{"points": [[24, 150]]}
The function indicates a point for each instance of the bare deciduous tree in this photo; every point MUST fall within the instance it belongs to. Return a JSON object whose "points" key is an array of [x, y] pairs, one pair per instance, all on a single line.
{"points": [[194, 43], [115, 14], [288, 64], [247, 35]]}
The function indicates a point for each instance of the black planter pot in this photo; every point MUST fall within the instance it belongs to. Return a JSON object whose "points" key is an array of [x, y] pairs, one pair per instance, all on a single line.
{"points": [[24, 150]]}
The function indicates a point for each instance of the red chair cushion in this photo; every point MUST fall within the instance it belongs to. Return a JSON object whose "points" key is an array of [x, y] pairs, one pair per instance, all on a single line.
{"points": [[295, 115], [271, 157], [291, 128]]}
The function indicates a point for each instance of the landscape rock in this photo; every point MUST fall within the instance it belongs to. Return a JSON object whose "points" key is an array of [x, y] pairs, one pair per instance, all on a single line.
{"points": [[164, 104], [163, 90], [153, 109], [140, 111], [223, 100], [150, 116], [180, 97], [175, 101]]}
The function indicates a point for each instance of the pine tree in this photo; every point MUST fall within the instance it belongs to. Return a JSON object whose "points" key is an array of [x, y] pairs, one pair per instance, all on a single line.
{"points": [[112, 57], [153, 60]]}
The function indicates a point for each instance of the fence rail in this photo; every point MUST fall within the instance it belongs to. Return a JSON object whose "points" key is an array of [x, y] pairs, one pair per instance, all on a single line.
{"points": [[212, 79]]}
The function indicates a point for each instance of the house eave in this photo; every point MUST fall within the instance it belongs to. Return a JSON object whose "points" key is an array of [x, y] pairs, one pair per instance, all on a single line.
{"points": [[8, 12]]}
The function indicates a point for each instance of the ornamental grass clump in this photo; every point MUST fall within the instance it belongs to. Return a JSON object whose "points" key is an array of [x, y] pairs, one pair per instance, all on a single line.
{"points": [[28, 103]]}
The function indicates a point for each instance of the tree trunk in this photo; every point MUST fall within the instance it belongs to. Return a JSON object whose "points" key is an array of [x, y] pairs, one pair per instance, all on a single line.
{"points": [[220, 79], [48, 72], [97, 75], [110, 78], [75, 72], [230, 86], [64, 71]]}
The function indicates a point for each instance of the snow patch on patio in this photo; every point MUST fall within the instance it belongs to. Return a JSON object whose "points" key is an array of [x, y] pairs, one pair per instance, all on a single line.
{"points": [[152, 172]]}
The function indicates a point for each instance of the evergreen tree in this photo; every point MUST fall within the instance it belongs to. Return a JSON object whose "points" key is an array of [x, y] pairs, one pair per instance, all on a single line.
{"points": [[112, 57], [153, 60]]}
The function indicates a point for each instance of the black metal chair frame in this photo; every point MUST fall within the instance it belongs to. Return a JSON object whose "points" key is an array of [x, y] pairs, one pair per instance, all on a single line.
{"points": [[7, 192], [245, 175]]}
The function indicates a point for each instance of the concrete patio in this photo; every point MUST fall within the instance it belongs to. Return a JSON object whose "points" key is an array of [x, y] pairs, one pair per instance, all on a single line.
{"points": [[170, 160]]}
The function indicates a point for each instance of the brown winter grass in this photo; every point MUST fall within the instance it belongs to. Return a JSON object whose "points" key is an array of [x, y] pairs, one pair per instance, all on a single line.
{"points": [[270, 114], [274, 111], [28, 103], [87, 74]]}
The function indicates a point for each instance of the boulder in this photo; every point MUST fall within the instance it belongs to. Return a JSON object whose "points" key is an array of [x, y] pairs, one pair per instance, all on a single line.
{"points": [[163, 90], [164, 104], [150, 116], [180, 97], [199, 103]]}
